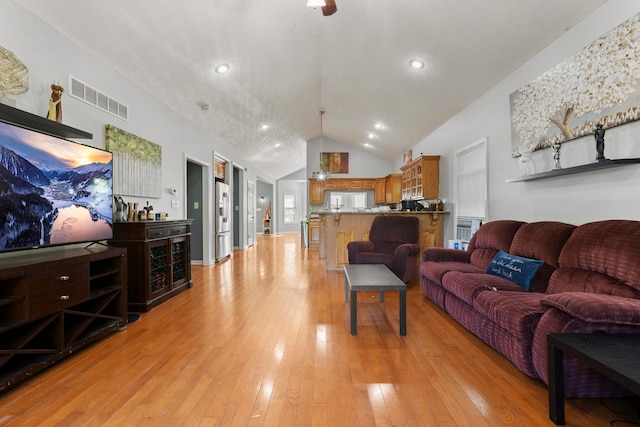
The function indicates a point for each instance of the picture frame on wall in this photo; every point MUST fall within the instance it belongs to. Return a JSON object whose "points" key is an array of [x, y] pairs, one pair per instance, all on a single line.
{"points": [[335, 162]]}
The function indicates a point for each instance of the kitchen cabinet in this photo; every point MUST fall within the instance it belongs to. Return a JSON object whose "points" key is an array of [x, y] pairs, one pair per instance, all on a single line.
{"points": [[314, 233], [421, 178], [379, 193], [316, 191], [393, 188]]}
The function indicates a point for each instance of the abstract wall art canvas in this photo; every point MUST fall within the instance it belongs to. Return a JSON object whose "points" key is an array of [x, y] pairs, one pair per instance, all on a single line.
{"points": [[599, 84], [137, 164], [335, 162]]}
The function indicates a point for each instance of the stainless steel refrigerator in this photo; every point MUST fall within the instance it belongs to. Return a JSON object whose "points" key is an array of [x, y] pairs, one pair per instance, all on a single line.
{"points": [[223, 221]]}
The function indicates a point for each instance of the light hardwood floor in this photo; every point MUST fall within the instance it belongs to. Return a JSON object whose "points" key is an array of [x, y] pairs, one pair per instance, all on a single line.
{"points": [[262, 339]]}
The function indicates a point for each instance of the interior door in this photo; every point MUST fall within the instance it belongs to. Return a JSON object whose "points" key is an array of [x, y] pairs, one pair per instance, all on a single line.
{"points": [[251, 213]]}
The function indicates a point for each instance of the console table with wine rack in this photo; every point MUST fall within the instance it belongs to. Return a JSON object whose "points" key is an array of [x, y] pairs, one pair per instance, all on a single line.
{"points": [[160, 258]]}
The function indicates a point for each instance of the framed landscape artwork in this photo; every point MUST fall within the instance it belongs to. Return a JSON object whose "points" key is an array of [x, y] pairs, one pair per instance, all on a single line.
{"points": [[599, 84]]}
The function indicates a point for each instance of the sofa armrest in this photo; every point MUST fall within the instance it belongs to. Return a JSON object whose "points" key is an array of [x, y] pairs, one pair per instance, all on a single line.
{"points": [[596, 308], [446, 255], [358, 246]]}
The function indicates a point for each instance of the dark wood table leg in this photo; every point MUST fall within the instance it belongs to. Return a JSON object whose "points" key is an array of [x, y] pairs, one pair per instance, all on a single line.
{"points": [[346, 289], [403, 313], [556, 384], [354, 313]]}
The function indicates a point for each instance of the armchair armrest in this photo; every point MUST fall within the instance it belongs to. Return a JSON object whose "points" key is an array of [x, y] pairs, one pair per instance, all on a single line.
{"points": [[446, 255], [407, 250], [358, 246], [596, 308], [404, 260]]}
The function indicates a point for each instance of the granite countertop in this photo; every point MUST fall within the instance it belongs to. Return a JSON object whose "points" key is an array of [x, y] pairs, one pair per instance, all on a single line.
{"points": [[382, 212]]}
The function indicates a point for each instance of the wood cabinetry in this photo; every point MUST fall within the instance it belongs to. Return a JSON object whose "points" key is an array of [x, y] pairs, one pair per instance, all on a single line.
{"points": [[316, 191], [314, 233], [161, 252], [317, 188], [421, 178], [338, 229], [379, 193], [52, 303], [393, 188], [219, 169]]}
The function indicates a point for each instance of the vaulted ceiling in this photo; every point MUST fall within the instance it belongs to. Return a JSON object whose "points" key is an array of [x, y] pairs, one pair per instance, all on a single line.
{"points": [[288, 60]]}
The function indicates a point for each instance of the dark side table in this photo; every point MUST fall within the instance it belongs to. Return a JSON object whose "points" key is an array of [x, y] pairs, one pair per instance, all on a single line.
{"points": [[613, 355]]}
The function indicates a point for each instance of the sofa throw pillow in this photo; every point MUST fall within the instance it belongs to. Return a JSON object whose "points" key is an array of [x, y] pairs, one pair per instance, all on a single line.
{"points": [[517, 269]]}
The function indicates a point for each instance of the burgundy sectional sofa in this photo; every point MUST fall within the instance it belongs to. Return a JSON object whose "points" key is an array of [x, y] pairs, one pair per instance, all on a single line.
{"points": [[588, 282]]}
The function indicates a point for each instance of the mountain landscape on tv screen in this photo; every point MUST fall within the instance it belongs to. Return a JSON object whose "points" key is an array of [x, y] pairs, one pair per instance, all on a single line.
{"points": [[54, 202]]}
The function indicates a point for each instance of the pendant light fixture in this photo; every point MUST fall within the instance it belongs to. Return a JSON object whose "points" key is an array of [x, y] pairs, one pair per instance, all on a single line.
{"points": [[323, 173]]}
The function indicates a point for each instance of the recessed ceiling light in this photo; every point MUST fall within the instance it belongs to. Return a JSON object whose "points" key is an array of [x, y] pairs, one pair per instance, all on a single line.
{"points": [[416, 63], [264, 127], [378, 125], [222, 68], [371, 136], [278, 144], [366, 144]]}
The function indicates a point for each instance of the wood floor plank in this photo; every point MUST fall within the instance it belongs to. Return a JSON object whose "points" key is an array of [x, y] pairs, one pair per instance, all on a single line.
{"points": [[263, 339]]}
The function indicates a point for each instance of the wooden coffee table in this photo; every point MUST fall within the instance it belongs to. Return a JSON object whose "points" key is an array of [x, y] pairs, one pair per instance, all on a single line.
{"points": [[373, 277]]}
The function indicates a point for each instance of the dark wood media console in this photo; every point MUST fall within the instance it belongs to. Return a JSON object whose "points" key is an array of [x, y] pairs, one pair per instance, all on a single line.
{"points": [[159, 254], [54, 302]]}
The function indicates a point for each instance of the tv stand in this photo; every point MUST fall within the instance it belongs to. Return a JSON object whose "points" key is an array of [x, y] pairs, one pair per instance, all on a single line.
{"points": [[97, 242], [55, 302]]}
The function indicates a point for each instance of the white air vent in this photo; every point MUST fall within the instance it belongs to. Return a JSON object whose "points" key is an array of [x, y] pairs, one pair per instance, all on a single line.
{"points": [[86, 93]]}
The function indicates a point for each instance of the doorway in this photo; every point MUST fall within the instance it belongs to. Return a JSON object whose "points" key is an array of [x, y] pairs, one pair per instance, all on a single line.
{"points": [[264, 200], [251, 213], [237, 205], [195, 204]]}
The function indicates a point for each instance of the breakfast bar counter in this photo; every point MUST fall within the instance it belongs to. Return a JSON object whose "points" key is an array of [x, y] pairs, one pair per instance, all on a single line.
{"points": [[339, 228]]}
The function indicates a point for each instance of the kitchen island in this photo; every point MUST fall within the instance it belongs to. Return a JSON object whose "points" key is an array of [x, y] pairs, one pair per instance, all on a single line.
{"points": [[339, 228]]}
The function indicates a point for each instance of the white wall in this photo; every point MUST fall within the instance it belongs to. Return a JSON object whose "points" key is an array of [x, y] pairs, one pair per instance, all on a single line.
{"points": [[580, 198], [49, 56]]}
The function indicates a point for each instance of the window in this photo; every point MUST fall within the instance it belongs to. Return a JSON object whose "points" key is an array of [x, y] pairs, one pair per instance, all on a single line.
{"points": [[290, 210]]}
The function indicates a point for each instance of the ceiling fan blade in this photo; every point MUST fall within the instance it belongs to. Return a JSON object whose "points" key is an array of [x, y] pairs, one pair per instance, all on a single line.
{"points": [[330, 8]]}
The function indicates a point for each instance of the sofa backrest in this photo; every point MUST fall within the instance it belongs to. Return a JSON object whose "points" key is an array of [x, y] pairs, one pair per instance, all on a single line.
{"points": [[544, 241], [491, 238], [600, 257]]}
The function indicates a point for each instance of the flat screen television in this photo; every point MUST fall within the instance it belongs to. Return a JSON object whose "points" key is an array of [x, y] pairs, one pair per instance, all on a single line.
{"points": [[53, 191]]}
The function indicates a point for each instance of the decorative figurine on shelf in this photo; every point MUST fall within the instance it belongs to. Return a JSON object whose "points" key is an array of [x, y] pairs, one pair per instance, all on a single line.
{"points": [[55, 103], [527, 167], [599, 136], [149, 211], [555, 145], [121, 209]]}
